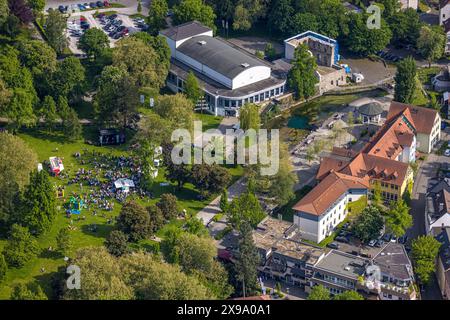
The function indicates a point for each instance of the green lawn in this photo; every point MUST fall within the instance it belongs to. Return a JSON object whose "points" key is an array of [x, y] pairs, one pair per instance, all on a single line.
{"points": [[53, 144]]}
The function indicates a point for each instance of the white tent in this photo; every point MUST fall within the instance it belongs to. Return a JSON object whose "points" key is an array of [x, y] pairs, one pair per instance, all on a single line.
{"points": [[124, 184]]}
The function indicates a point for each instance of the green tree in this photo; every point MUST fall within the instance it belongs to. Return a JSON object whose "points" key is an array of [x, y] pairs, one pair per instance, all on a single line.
{"points": [[249, 117], [209, 178], [302, 76], [63, 241], [405, 26], [68, 79], [139, 7], [431, 43], [152, 133], [20, 109], [20, 248], [168, 204], [4, 12], [93, 41], [37, 5], [282, 183], [103, 277], [192, 88], [405, 80], [391, 7], [377, 198], [247, 12], [48, 111], [177, 109], [247, 261], [17, 160], [398, 219], [269, 51], [368, 224], [348, 295], [245, 208], [72, 126], [117, 243], [280, 15], [134, 221], [156, 19], [156, 217], [39, 58], [117, 97], [30, 291], [38, 210], [3, 268], [152, 279], [364, 41], [188, 10], [302, 22], [424, 252], [319, 292], [55, 27], [178, 173], [224, 201]]}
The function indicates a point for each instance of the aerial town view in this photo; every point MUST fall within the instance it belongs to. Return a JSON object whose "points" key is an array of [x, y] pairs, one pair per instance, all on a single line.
{"points": [[246, 151]]}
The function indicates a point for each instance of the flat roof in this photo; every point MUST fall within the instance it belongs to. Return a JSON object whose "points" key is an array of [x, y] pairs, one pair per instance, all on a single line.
{"points": [[343, 264], [298, 250], [219, 55]]}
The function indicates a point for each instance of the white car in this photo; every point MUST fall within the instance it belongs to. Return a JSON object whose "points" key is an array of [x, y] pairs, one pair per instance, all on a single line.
{"points": [[447, 153]]}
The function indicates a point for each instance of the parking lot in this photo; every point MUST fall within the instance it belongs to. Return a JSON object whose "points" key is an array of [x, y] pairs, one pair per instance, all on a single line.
{"points": [[346, 242], [116, 26]]}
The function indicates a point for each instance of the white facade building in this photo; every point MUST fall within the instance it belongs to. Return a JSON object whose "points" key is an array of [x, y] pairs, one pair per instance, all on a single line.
{"points": [[228, 76], [444, 11], [322, 209]]}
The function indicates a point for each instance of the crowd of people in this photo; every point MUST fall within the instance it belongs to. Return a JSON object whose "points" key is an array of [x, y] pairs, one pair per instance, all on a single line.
{"points": [[98, 173]]}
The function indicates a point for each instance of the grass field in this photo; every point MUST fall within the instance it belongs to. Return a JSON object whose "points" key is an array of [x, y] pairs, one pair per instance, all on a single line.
{"points": [[47, 262]]}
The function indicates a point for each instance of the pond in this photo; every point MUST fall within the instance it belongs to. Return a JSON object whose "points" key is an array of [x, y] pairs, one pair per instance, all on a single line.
{"points": [[319, 109], [298, 122]]}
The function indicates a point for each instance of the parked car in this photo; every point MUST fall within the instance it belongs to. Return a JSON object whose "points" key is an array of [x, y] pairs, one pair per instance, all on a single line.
{"points": [[86, 5], [447, 153], [100, 4], [394, 238], [333, 245], [342, 239], [403, 239], [379, 243], [113, 16], [93, 5], [372, 243], [387, 237], [81, 7], [63, 9], [117, 36]]}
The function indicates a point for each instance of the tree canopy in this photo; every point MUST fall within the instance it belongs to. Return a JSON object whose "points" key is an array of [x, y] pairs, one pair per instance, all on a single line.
{"points": [[302, 76]]}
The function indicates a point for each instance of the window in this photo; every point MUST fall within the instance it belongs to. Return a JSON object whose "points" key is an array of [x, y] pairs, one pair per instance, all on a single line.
{"points": [[277, 91], [272, 92], [261, 97]]}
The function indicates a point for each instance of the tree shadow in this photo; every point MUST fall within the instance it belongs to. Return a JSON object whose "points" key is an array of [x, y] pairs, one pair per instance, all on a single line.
{"points": [[97, 230]]}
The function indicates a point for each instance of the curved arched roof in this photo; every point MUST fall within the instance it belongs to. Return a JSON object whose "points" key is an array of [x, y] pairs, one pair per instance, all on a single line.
{"points": [[219, 56]]}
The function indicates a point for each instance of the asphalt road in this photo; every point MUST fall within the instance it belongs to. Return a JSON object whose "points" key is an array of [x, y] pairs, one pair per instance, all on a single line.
{"points": [[427, 171]]}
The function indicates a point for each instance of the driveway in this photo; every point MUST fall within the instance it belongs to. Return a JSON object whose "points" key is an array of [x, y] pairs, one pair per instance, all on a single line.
{"points": [[373, 71]]}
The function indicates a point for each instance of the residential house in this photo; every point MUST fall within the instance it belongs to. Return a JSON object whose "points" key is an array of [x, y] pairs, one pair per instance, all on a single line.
{"points": [[425, 121], [406, 4], [396, 274], [443, 263], [437, 208], [444, 11]]}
